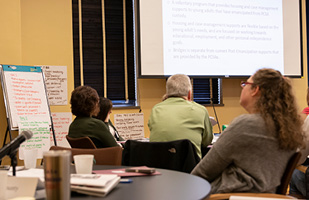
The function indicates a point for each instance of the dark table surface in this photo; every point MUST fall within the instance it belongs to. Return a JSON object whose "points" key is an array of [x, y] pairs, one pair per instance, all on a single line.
{"points": [[169, 185]]}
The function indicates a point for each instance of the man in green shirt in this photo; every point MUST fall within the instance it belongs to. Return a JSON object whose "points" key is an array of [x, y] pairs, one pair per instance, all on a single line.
{"points": [[178, 117]]}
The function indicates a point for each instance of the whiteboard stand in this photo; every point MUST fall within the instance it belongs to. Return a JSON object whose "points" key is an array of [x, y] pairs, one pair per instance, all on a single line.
{"points": [[53, 130], [50, 116], [23, 87], [8, 130], [12, 154]]}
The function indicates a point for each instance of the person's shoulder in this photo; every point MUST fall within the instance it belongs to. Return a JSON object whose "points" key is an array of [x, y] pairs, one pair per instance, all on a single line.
{"points": [[198, 106], [246, 123], [248, 120], [166, 102], [86, 119], [157, 106], [160, 103], [96, 121], [248, 117], [90, 121]]}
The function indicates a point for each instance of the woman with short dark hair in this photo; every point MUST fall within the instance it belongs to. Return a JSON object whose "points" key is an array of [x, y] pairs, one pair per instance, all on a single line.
{"points": [[106, 106], [84, 105]]}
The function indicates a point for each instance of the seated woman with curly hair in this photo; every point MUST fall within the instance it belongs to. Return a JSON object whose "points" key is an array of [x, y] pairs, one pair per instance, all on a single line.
{"points": [[84, 105], [253, 151]]}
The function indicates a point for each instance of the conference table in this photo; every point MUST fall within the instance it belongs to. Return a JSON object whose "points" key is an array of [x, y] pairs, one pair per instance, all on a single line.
{"points": [[168, 185]]}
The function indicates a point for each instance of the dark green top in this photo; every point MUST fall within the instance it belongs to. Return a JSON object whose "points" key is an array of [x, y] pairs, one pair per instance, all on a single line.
{"points": [[93, 128]]}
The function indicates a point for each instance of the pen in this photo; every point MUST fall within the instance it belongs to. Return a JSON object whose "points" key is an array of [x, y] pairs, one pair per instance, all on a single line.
{"points": [[125, 180]]}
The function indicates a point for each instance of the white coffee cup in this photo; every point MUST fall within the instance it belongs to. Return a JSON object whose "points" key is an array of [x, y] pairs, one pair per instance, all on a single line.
{"points": [[30, 158], [83, 163], [3, 185]]}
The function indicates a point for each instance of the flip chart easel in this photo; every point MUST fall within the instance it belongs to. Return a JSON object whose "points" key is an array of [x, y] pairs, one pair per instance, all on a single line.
{"points": [[24, 94]]}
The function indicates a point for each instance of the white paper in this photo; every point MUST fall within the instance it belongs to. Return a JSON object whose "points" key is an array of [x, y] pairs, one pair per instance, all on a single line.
{"points": [[41, 134], [215, 138], [26, 95], [130, 125], [56, 84], [91, 184], [21, 187], [96, 191], [61, 121], [213, 121], [96, 180], [33, 172]]}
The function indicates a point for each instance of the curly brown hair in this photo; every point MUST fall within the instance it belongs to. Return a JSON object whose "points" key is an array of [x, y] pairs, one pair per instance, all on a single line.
{"points": [[277, 105], [84, 101]]}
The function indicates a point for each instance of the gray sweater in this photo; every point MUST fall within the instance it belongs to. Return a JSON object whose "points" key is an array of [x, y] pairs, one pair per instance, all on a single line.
{"points": [[245, 158]]}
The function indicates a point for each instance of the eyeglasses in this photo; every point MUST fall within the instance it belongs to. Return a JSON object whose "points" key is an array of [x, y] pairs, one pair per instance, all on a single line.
{"points": [[244, 83]]}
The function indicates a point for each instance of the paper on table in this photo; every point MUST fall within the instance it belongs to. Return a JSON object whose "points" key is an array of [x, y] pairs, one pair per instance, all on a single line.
{"points": [[92, 184], [21, 186], [96, 180], [33, 172], [83, 179], [215, 138], [97, 191]]}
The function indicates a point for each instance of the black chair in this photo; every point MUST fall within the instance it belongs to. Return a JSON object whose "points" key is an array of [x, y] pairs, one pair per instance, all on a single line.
{"points": [[179, 155]]}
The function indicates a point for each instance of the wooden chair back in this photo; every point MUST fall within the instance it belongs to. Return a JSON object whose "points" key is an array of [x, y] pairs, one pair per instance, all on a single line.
{"points": [[102, 156], [287, 175], [281, 189], [81, 143], [225, 196]]}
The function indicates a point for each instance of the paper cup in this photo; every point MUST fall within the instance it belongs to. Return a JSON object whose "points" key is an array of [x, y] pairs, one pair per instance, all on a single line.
{"points": [[30, 157], [83, 163]]}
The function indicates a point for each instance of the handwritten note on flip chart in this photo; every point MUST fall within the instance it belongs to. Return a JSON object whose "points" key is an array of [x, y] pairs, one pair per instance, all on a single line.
{"points": [[61, 121], [56, 84], [24, 93], [41, 134], [130, 126]]}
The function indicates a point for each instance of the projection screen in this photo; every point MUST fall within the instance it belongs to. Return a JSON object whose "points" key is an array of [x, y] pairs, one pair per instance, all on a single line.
{"points": [[218, 38]]}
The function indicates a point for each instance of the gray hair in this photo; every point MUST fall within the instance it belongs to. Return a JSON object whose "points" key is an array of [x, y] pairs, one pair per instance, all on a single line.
{"points": [[178, 85]]}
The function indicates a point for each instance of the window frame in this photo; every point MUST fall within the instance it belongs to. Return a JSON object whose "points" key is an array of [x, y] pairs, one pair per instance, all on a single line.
{"points": [[130, 51], [112, 71]]}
